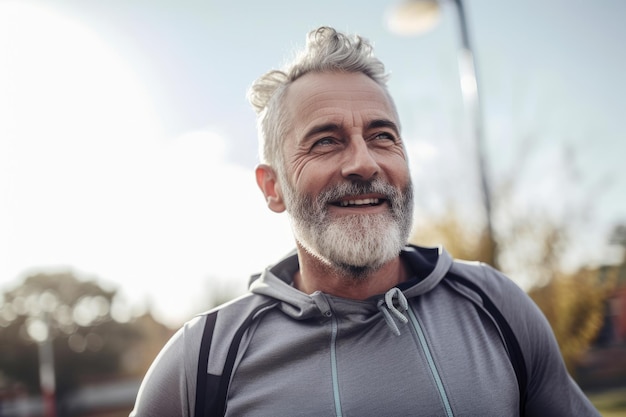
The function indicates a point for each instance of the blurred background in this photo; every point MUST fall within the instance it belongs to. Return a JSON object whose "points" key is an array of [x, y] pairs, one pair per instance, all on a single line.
{"points": [[127, 148]]}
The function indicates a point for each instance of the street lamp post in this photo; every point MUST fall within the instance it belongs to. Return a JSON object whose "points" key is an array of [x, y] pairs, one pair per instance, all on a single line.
{"points": [[39, 328], [47, 377], [413, 17]]}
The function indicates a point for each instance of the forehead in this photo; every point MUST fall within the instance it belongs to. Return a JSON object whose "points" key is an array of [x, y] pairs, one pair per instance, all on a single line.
{"points": [[332, 95]]}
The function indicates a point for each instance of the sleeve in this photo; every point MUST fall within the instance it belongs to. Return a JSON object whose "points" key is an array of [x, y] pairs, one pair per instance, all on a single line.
{"points": [[169, 387], [550, 391]]}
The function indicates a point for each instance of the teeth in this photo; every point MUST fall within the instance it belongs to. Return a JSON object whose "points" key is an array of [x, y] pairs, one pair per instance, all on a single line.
{"points": [[362, 202]]}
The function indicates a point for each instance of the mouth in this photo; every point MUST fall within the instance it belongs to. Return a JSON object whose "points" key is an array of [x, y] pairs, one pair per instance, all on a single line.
{"points": [[360, 202]]}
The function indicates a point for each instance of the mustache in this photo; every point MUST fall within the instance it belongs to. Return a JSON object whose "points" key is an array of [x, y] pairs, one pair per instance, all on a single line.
{"points": [[358, 187]]}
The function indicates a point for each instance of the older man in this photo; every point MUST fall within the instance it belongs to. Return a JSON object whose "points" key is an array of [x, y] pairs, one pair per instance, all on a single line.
{"points": [[355, 322]]}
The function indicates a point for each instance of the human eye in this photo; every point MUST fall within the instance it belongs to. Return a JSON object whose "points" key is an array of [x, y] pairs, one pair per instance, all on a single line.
{"points": [[325, 142], [385, 135], [386, 138]]}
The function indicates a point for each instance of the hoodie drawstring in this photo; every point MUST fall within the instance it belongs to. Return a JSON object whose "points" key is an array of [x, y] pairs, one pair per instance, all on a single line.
{"points": [[390, 310]]}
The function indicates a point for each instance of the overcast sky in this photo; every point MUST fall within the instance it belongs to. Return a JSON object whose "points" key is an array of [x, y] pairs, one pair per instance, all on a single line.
{"points": [[127, 147]]}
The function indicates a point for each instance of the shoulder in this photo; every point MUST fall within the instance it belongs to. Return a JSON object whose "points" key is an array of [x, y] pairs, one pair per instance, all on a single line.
{"points": [[170, 384], [187, 339], [486, 284], [531, 329], [537, 344], [494, 285]]}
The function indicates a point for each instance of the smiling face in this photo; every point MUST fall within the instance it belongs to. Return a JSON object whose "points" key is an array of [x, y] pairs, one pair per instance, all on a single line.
{"points": [[345, 182]]}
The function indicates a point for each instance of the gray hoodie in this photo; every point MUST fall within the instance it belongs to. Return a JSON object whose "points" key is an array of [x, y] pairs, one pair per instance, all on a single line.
{"points": [[428, 347]]}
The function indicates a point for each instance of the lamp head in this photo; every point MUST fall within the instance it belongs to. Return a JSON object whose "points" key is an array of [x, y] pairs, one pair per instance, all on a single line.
{"points": [[413, 17]]}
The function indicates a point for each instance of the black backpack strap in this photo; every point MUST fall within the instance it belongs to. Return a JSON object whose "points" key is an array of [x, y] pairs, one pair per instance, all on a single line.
{"points": [[205, 383], [512, 344], [212, 390]]}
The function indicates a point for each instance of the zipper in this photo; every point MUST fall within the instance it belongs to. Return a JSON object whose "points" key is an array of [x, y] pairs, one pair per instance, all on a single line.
{"points": [[333, 362], [431, 362], [325, 309]]}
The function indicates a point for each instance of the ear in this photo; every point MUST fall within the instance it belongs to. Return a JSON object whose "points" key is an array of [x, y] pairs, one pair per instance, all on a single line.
{"points": [[267, 180]]}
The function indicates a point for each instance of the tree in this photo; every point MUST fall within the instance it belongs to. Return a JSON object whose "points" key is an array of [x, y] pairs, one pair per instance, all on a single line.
{"points": [[454, 234], [77, 316], [574, 306], [618, 238]]}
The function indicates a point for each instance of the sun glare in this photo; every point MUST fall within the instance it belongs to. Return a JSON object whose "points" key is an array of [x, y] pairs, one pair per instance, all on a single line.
{"points": [[62, 81], [73, 119], [92, 183]]}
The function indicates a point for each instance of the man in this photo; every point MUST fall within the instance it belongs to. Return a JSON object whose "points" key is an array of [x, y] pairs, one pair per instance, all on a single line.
{"points": [[355, 322]]}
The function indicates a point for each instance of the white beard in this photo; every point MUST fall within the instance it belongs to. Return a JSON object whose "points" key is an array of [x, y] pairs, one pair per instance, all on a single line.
{"points": [[356, 244]]}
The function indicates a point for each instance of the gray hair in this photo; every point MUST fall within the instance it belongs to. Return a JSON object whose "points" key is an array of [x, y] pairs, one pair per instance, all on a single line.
{"points": [[326, 50]]}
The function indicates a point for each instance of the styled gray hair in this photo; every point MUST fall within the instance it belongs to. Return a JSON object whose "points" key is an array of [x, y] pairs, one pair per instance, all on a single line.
{"points": [[326, 50]]}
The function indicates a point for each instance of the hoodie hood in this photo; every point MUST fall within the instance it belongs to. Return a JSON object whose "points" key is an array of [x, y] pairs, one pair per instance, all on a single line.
{"points": [[427, 267]]}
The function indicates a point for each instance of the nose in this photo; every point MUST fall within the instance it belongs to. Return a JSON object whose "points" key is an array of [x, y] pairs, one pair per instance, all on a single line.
{"points": [[359, 163]]}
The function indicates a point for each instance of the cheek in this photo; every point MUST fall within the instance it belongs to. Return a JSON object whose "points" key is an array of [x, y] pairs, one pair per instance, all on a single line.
{"points": [[310, 182], [309, 174], [313, 179], [396, 167]]}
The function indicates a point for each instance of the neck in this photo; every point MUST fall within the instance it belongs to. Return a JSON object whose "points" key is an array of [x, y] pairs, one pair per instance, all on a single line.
{"points": [[316, 275]]}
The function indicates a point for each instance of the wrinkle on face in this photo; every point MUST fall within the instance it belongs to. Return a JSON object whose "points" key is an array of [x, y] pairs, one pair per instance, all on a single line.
{"points": [[348, 102]]}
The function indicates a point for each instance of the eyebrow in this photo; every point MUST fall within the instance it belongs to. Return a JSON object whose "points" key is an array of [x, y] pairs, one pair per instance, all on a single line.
{"points": [[326, 127], [378, 123], [334, 127]]}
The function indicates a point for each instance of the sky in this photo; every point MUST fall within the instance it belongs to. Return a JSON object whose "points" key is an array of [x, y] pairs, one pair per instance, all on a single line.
{"points": [[127, 147]]}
